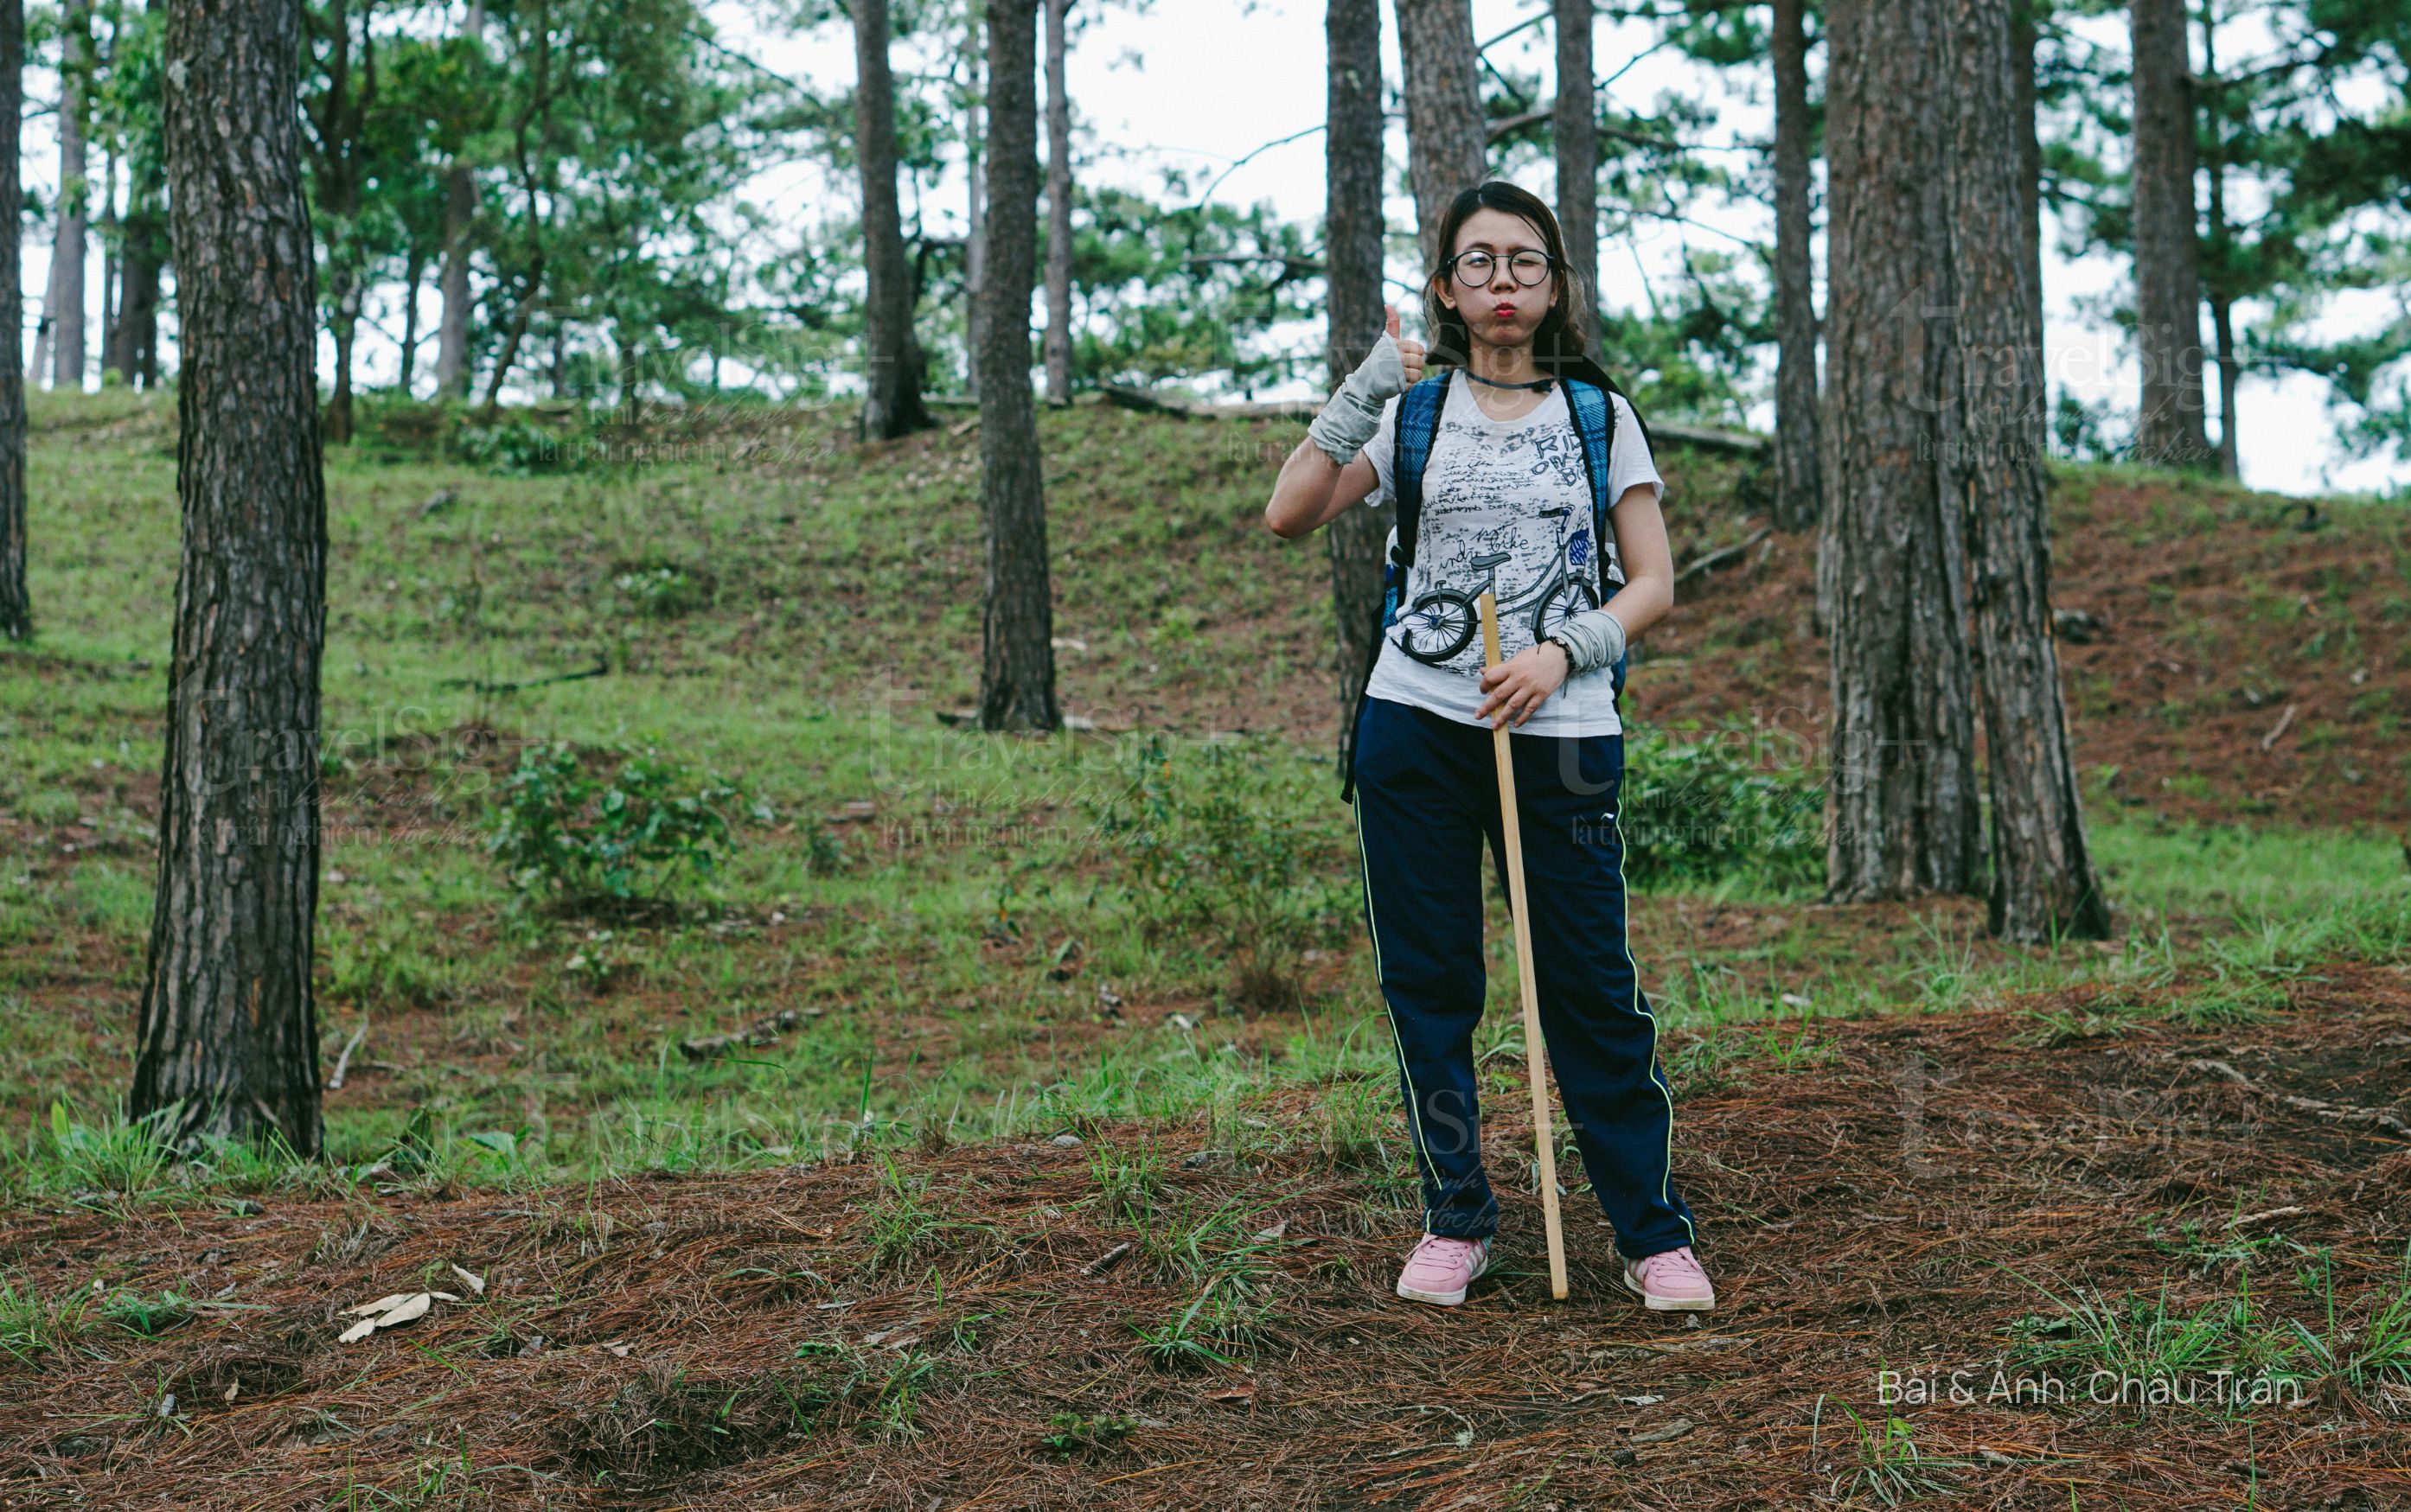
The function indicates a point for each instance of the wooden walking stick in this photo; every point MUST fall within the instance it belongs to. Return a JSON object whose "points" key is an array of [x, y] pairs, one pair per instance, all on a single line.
{"points": [[1544, 1124]]}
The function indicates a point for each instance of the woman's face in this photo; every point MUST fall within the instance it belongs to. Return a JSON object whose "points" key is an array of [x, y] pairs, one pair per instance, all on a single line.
{"points": [[1498, 310]]}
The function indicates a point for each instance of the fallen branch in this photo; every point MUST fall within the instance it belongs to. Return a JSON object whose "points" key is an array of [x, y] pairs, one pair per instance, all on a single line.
{"points": [[753, 1035], [2284, 721], [598, 670], [343, 1061], [2345, 1110], [1716, 558], [1195, 409], [1071, 721], [1707, 438]]}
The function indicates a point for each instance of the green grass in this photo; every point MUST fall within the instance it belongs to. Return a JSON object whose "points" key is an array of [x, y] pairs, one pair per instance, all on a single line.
{"points": [[1000, 948]]}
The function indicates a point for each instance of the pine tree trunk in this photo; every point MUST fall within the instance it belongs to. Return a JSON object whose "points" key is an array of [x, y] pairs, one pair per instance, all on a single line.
{"points": [[1993, 430], [2222, 304], [891, 402], [343, 327], [1900, 806], [138, 305], [414, 271], [2022, 59], [2168, 243], [1017, 670], [109, 270], [45, 327], [228, 1032], [1797, 492], [1352, 253], [145, 250], [68, 352], [1059, 208], [16, 603], [459, 230], [1576, 132], [1447, 148], [975, 217]]}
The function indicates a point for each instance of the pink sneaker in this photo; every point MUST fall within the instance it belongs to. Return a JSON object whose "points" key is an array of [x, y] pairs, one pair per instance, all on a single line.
{"points": [[1671, 1281], [1441, 1268]]}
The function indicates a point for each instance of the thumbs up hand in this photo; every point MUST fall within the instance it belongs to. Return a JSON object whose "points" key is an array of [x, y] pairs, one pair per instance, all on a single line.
{"points": [[1410, 353], [1348, 418]]}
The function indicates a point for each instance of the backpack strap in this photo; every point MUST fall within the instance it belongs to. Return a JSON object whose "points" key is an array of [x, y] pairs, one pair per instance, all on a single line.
{"points": [[1594, 416], [1418, 427], [1415, 424]]}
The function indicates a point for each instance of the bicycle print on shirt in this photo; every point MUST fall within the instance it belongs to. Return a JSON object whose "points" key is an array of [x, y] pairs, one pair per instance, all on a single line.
{"points": [[1507, 512]]}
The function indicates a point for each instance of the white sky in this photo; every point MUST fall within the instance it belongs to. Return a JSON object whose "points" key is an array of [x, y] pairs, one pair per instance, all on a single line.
{"points": [[1200, 85]]}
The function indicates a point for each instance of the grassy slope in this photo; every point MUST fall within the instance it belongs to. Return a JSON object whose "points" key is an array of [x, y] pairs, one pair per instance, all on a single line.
{"points": [[956, 941]]}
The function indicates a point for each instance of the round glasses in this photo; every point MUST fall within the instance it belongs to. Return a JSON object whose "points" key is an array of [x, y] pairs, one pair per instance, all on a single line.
{"points": [[1473, 268]]}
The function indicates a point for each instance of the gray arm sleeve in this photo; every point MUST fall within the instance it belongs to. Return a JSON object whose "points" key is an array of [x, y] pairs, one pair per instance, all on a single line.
{"points": [[1349, 418], [1595, 638]]}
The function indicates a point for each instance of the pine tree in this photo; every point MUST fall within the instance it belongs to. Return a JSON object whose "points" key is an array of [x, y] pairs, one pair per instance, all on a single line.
{"points": [[2168, 246], [1017, 669], [229, 1028]]}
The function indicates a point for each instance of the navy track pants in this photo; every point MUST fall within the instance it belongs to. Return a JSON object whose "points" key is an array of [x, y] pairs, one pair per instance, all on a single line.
{"points": [[1426, 795]]}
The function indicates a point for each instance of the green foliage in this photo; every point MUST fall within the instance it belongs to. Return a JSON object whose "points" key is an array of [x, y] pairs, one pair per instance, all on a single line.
{"points": [[117, 1156], [2139, 1335], [514, 447], [1070, 1432], [1230, 1316], [663, 591], [147, 1314], [1179, 290], [2302, 137], [1702, 810], [33, 1325], [1214, 844], [629, 837]]}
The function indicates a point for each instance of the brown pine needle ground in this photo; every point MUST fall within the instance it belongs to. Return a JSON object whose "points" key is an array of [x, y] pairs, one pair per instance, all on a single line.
{"points": [[911, 1330]]}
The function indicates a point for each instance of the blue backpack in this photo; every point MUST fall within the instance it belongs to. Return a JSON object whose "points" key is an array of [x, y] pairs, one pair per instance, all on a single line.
{"points": [[1417, 423]]}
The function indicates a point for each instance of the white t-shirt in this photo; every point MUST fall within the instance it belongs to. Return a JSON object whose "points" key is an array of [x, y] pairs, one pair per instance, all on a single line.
{"points": [[1505, 506]]}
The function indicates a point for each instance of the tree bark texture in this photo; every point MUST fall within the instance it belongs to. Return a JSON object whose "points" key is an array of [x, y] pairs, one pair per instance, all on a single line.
{"points": [[2022, 34], [1900, 804], [1446, 143], [1797, 491], [1059, 208], [1994, 435], [1351, 249], [1576, 133], [414, 273], [16, 602], [74, 198], [2168, 430], [460, 233], [133, 348], [1017, 668], [228, 1025], [109, 242], [975, 211], [891, 404], [2222, 304]]}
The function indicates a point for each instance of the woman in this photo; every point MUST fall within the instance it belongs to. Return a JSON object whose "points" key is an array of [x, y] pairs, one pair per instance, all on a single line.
{"points": [[1505, 507]]}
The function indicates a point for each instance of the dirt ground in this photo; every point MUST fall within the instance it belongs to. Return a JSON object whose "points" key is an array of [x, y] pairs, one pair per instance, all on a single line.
{"points": [[1868, 1204]]}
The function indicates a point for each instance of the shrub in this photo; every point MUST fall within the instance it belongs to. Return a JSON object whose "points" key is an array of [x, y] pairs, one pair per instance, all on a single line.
{"points": [[1219, 844], [664, 590], [627, 838], [519, 447], [1700, 810]]}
